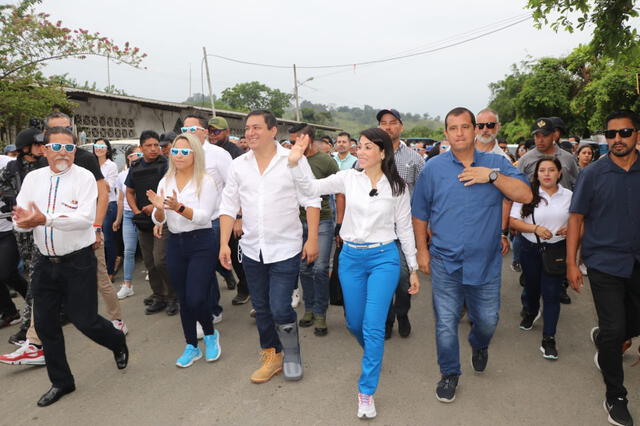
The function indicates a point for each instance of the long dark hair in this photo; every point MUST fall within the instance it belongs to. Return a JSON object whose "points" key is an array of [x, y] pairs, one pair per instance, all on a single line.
{"points": [[109, 150], [383, 141], [527, 209]]}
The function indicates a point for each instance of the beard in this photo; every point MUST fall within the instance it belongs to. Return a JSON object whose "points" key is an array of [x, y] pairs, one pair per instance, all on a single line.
{"points": [[627, 150], [486, 139], [62, 165]]}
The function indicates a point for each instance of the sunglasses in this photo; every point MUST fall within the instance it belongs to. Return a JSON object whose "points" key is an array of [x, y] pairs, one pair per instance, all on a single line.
{"points": [[191, 129], [216, 131], [183, 151], [57, 147], [135, 155], [489, 125], [624, 133], [99, 146]]}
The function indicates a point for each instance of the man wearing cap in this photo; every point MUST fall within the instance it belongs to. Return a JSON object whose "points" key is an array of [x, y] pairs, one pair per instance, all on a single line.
{"points": [[166, 139], [409, 164], [325, 144], [11, 151], [219, 135], [58, 203]]}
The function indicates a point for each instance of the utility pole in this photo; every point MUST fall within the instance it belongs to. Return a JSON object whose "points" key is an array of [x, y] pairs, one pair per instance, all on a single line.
{"points": [[295, 92], [206, 65], [189, 79], [108, 73]]}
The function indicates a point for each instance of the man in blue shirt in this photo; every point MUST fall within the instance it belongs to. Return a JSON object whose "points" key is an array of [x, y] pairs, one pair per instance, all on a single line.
{"points": [[606, 201], [458, 196]]}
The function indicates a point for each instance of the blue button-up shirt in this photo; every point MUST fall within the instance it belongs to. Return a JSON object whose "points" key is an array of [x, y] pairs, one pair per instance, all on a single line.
{"points": [[465, 220], [609, 198]]}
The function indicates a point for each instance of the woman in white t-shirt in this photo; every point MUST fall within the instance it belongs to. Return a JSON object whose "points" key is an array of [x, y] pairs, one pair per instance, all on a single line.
{"points": [[102, 150], [543, 224], [124, 218]]}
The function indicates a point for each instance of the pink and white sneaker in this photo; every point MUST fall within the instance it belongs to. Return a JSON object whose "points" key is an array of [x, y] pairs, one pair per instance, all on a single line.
{"points": [[27, 354], [366, 406]]}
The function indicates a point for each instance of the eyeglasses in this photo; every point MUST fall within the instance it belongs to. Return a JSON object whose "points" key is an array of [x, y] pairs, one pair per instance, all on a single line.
{"points": [[624, 133], [57, 147], [489, 125], [216, 131], [191, 129], [99, 146], [183, 151]]}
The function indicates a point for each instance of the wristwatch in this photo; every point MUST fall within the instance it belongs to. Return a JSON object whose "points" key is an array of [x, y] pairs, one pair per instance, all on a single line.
{"points": [[505, 232], [181, 208], [97, 229], [493, 176]]}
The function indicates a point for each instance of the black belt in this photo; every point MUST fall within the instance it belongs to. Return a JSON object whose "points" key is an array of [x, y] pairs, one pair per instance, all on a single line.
{"points": [[67, 257]]}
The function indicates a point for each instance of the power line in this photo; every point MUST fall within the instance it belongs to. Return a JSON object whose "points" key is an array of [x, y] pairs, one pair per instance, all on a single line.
{"points": [[378, 61]]}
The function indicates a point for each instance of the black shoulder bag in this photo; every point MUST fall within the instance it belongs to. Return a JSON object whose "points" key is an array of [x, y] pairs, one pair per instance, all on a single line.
{"points": [[554, 256]]}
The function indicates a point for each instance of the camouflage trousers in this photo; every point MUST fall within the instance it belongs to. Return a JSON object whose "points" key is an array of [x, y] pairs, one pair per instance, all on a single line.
{"points": [[29, 254]]}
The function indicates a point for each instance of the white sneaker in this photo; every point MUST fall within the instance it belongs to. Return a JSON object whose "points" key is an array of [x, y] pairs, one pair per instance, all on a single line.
{"points": [[199, 331], [120, 325], [217, 318], [366, 406], [583, 268], [26, 354], [125, 291], [295, 298], [146, 277]]}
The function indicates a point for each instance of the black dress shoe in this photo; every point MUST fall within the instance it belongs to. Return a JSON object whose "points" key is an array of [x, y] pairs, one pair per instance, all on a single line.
{"points": [[54, 394], [404, 326], [564, 297], [172, 308], [155, 307], [148, 300], [122, 357], [231, 282], [388, 327]]}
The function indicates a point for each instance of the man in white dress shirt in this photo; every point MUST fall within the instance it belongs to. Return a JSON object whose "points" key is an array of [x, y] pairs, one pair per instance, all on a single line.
{"points": [[260, 184], [58, 203]]}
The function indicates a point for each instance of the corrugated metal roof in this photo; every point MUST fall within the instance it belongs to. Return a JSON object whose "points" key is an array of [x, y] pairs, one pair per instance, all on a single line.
{"points": [[82, 94]]}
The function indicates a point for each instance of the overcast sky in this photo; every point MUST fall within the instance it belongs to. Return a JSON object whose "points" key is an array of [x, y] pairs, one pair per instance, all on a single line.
{"points": [[313, 33]]}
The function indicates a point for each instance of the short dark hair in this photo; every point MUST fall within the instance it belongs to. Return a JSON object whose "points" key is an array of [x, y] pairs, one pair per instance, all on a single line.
{"points": [[59, 131], [623, 113], [344, 134], [308, 130], [458, 111], [268, 117], [204, 123], [297, 127], [55, 114], [148, 134], [327, 139]]}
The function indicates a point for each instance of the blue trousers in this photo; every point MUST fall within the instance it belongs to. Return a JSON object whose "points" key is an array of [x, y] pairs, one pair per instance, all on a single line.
{"points": [[110, 249], [369, 278], [270, 287], [216, 309], [449, 294], [130, 238], [190, 268], [314, 277]]}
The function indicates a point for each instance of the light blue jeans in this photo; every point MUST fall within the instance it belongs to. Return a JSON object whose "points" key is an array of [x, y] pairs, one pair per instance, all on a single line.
{"points": [[369, 277], [130, 238], [449, 294]]}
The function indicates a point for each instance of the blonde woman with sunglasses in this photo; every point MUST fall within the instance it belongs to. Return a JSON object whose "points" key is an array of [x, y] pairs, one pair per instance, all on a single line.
{"points": [[185, 200]]}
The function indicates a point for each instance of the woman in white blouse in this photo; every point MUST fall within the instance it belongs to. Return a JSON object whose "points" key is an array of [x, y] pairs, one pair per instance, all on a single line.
{"points": [[543, 224], [378, 212], [186, 199], [109, 169]]}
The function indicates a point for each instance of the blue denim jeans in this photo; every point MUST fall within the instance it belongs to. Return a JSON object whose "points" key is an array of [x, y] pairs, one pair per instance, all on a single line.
{"points": [[130, 238], [369, 278], [270, 287], [216, 309], [449, 294], [537, 284], [110, 249], [314, 277], [190, 268]]}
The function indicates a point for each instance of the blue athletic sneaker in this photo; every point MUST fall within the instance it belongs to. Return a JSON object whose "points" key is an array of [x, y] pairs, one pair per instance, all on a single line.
{"points": [[212, 349], [189, 356]]}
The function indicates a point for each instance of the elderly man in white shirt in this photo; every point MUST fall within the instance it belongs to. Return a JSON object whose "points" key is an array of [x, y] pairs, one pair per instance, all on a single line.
{"points": [[260, 184], [58, 203]]}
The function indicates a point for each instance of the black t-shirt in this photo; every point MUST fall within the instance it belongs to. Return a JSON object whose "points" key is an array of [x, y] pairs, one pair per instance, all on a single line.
{"points": [[231, 148], [84, 159]]}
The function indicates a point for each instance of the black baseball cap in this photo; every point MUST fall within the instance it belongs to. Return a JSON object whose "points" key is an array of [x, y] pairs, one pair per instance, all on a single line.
{"points": [[391, 111], [167, 138], [28, 137], [558, 123], [543, 125]]}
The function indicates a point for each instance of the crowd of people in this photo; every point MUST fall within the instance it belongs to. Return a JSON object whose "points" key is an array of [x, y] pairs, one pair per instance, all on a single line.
{"points": [[202, 202]]}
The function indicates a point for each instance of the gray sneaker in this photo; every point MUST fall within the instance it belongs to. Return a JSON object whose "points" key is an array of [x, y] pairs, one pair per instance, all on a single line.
{"points": [[446, 389]]}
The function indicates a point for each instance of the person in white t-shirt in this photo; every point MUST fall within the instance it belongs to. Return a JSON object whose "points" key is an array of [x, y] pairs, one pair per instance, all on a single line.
{"points": [[104, 153]]}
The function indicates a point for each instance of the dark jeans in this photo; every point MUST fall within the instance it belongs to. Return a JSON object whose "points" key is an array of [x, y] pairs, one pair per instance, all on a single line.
{"points": [[538, 283], [270, 286], [236, 261], [189, 261], [72, 283], [314, 276], [9, 275], [617, 302], [214, 294], [154, 256], [110, 237], [402, 303]]}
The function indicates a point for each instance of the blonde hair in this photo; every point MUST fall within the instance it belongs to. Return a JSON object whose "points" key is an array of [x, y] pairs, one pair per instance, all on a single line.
{"points": [[198, 159]]}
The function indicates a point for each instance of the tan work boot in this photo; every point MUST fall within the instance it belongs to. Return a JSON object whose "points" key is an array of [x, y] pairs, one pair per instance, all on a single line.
{"points": [[271, 365]]}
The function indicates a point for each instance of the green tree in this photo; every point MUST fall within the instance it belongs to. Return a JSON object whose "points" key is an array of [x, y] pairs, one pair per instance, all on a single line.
{"points": [[422, 131], [613, 30], [202, 100], [255, 95]]}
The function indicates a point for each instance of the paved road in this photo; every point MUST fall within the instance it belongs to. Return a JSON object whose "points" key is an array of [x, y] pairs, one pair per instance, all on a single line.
{"points": [[519, 386]]}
